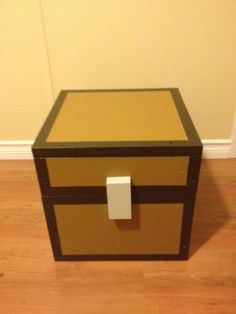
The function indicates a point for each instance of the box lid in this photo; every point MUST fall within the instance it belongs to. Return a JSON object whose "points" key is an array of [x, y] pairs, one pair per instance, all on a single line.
{"points": [[117, 122]]}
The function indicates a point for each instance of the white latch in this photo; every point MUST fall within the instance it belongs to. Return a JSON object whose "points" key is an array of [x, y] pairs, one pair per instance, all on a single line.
{"points": [[119, 197]]}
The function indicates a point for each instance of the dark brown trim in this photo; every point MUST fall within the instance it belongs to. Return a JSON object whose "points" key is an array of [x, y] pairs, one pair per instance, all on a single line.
{"points": [[187, 227], [42, 174], [187, 122], [49, 203], [170, 257], [101, 198], [52, 226], [111, 149], [40, 140], [139, 194], [137, 148], [193, 172]]}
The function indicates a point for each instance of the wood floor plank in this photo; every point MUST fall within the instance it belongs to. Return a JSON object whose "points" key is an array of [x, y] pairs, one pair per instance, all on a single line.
{"points": [[31, 282]]}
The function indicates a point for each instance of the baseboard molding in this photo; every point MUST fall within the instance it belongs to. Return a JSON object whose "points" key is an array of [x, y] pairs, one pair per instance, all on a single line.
{"points": [[22, 149], [216, 149], [16, 150]]}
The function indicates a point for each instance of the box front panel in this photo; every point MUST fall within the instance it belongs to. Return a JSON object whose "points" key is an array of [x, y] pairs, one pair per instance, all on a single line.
{"points": [[94, 171], [84, 229]]}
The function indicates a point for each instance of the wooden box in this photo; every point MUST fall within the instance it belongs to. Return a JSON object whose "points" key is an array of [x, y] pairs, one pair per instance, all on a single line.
{"points": [[91, 135]]}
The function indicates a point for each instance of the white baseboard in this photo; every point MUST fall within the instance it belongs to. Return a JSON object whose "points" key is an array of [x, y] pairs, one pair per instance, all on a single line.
{"points": [[16, 150], [216, 149], [22, 149]]}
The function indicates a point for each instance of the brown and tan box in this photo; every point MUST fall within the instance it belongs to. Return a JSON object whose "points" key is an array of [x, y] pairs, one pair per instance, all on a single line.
{"points": [[91, 135]]}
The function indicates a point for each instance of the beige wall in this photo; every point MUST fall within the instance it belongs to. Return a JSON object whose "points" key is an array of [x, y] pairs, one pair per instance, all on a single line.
{"points": [[51, 45]]}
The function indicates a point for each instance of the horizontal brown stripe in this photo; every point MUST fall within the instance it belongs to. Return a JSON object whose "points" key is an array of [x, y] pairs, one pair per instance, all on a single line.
{"points": [[130, 257], [138, 194], [117, 149]]}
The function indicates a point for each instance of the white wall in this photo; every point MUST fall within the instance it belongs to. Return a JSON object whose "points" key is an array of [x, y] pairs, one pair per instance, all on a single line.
{"points": [[51, 45]]}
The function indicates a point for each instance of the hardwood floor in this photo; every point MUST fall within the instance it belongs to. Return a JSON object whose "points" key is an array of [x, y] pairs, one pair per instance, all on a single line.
{"points": [[31, 282]]}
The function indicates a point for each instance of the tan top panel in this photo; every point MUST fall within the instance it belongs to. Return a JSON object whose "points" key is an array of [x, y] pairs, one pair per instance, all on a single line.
{"points": [[117, 116]]}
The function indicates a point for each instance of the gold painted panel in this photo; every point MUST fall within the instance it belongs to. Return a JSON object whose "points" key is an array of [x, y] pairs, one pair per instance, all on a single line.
{"points": [[86, 229], [117, 116], [92, 171]]}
